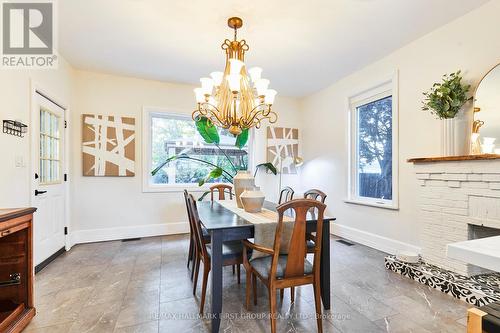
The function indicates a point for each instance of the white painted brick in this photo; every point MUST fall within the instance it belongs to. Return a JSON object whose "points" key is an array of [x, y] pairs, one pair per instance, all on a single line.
{"points": [[436, 183], [491, 177], [453, 184], [423, 176], [437, 176], [455, 176], [425, 193], [452, 195], [431, 208], [495, 186], [475, 184], [475, 177]]}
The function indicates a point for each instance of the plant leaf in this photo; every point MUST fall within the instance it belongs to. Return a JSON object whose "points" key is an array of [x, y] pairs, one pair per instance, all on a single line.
{"points": [[203, 195], [168, 160], [241, 140], [268, 166], [207, 130], [214, 174]]}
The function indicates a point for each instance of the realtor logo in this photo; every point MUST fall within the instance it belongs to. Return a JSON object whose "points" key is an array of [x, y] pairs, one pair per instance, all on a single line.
{"points": [[28, 35]]}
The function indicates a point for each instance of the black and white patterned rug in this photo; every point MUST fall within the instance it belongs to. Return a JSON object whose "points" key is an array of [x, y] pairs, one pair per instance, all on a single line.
{"points": [[477, 290]]}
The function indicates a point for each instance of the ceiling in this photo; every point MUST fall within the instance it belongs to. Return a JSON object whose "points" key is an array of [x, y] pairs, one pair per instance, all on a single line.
{"points": [[303, 46]]}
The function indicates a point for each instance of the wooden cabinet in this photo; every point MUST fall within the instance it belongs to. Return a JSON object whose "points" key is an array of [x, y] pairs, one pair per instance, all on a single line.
{"points": [[16, 269]]}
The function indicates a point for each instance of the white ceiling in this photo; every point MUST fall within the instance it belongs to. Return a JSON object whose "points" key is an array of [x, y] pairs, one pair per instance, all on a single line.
{"points": [[302, 45]]}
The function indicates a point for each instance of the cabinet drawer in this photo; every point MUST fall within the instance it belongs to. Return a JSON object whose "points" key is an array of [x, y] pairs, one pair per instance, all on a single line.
{"points": [[11, 230]]}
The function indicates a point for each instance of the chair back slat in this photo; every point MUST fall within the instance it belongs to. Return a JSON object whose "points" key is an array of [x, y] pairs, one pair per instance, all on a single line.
{"points": [[315, 194], [297, 248], [221, 189], [286, 194], [196, 225], [186, 196]]}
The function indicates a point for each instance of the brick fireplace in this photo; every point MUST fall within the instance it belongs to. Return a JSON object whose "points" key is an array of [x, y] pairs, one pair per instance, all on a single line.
{"points": [[458, 200]]}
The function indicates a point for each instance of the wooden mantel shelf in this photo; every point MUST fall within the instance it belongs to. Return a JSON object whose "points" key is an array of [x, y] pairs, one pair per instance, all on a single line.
{"points": [[454, 158]]}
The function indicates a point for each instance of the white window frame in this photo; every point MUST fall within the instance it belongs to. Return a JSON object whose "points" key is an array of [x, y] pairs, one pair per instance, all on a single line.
{"points": [[384, 88], [147, 185]]}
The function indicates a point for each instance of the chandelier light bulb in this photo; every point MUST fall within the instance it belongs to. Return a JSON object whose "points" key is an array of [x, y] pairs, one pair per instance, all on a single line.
{"points": [[207, 85], [212, 101], [255, 73], [235, 66], [270, 95], [261, 86], [217, 77], [234, 82], [200, 96]]}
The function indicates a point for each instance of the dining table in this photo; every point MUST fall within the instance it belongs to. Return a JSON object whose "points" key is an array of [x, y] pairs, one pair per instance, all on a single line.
{"points": [[224, 225]]}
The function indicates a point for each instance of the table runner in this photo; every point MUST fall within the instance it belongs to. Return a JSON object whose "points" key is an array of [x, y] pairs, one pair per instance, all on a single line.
{"points": [[264, 226]]}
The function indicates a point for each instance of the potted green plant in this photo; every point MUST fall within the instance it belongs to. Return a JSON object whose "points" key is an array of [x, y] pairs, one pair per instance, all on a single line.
{"points": [[210, 135], [446, 100]]}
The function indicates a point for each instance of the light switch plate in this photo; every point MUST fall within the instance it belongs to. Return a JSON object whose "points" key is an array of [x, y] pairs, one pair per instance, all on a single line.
{"points": [[20, 161]]}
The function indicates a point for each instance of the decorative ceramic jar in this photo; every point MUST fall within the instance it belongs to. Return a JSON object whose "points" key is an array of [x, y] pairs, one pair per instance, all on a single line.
{"points": [[241, 181], [252, 199]]}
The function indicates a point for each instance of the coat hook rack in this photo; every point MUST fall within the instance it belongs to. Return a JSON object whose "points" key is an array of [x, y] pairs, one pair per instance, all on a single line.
{"points": [[15, 127]]}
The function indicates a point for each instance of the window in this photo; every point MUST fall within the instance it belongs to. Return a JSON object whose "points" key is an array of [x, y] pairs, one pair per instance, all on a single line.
{"points": [[373, 147], [50, 144], [168, 135]]}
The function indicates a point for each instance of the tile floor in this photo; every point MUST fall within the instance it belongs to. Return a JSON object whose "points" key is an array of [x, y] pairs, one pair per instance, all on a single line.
{"points": [[144, 286]]}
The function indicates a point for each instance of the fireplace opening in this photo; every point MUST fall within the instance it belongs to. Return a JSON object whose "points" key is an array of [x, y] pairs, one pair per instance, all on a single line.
{"points": [[476, 232], [479, 231]]}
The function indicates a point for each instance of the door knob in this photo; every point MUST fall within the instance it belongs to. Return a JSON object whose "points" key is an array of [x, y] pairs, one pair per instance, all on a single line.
{"points": [[39, 192]]}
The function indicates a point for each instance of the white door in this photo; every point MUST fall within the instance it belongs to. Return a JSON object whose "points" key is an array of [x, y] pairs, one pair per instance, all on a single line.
{"points": [[49, 190]]}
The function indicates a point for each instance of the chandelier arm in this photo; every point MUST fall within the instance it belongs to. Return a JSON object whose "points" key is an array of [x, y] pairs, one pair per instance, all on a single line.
{"points": [[256, 120], [215, 113], [210, 115], [254, 114]]}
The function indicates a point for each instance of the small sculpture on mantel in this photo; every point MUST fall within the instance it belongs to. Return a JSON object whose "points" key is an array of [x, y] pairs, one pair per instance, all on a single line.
{"points": [[475, 141]]}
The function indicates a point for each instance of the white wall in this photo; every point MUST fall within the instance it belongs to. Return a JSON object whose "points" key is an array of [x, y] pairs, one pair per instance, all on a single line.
{"points": [[470, 43], [15, 92], [111, 207]]}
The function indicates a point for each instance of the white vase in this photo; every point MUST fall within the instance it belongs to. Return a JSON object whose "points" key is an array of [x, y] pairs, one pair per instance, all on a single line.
{"points": [[241, 181], [252, 199], [456, 135]]}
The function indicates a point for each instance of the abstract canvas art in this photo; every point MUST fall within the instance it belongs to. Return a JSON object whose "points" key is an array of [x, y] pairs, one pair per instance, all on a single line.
{"points": [[282, 147], [108, 146]]}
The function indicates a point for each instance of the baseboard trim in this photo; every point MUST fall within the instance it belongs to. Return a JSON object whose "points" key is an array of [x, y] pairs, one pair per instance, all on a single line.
{"points": [[380, 243], [47, 261], [119, 233]]}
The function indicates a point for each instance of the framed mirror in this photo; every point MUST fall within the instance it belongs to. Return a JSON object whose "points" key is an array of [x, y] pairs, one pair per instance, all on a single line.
{"points": [[485, 137]]}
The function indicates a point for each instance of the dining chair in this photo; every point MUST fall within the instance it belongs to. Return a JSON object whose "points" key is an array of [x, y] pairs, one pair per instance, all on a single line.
{"points": [[286, 194], [231, 253], [280, 271], [318, 195], [221, 188], [193, 249]]}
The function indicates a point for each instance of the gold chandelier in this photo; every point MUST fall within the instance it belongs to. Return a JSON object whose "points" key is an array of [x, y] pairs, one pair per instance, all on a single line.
{"points": [[231, 99]]}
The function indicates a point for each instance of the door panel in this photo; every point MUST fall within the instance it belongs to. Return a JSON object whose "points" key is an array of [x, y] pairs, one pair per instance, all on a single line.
{"points": [[49, 194]]}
